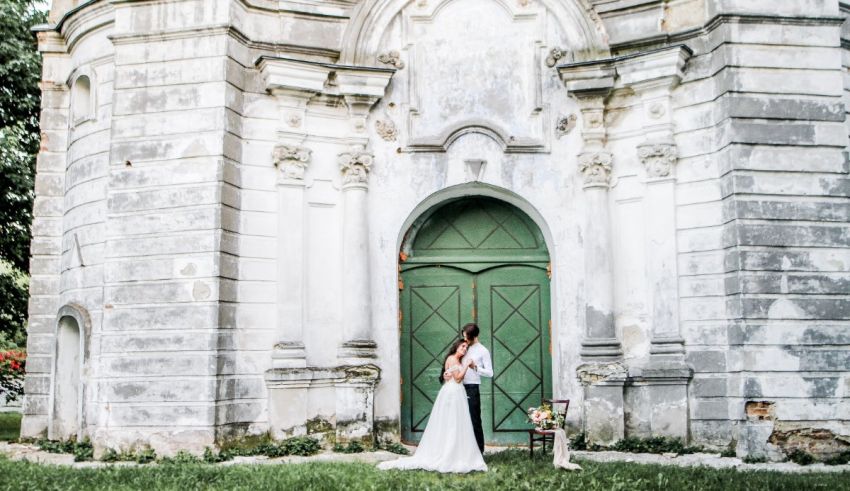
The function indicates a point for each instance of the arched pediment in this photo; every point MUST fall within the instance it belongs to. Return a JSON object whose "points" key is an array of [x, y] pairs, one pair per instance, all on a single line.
{"points": [[585, 32]]}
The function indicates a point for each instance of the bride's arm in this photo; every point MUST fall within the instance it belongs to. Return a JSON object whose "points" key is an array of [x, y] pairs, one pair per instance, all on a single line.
{"points": [[459, 372]]}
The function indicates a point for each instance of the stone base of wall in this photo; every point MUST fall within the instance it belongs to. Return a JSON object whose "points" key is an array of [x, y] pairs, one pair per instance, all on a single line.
{"points": [[329, 403]]}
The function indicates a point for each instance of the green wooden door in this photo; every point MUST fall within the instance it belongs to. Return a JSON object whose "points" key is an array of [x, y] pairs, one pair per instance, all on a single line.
{"points": [[476, 260], [513, 304], [435, 300]]}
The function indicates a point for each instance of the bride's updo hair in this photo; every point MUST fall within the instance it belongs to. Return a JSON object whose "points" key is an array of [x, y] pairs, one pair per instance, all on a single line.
{"points": [[452, 350]]}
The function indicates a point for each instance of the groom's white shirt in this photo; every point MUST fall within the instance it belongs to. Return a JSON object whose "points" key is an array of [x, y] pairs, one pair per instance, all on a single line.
{"points": [[484, 367]]}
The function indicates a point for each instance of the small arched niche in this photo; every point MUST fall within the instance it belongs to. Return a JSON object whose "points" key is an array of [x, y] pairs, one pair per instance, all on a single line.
{"points": [[81, 99], [67, 391]]}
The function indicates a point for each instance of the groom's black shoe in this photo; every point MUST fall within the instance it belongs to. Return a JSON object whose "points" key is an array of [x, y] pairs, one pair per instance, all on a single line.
{"points": [[473, 398]]}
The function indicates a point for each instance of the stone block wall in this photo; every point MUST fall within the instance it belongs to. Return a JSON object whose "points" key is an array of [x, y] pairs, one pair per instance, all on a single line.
{"points": [[161, 215]]}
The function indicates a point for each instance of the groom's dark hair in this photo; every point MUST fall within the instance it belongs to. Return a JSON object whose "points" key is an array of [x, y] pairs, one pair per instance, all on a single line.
{"points": [[470, 331]]}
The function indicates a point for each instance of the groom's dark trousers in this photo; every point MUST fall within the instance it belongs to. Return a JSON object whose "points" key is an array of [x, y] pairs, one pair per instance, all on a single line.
{"points": [[473, 398]]}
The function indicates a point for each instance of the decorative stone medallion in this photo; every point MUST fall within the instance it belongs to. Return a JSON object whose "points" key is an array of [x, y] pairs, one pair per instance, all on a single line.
{"points": [[391, 58], [555, 55], [565, 125], [387, 130]]}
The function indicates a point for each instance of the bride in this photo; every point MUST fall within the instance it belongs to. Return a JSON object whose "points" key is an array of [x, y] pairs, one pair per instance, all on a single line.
{"points": [[448, 444]]}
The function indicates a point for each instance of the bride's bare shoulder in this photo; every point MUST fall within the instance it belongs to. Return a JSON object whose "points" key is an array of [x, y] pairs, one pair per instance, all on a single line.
{"points": [[452, 362]]}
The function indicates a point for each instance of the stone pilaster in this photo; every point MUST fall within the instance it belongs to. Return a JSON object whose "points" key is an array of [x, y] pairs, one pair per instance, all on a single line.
{"points": [[358, 344], [602, 375], [293, 84], [590, 86], [291, 162], [653, 77]]}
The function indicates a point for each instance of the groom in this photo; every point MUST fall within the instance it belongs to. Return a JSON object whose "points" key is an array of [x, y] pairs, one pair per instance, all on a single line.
{"points": [[481, 366]]}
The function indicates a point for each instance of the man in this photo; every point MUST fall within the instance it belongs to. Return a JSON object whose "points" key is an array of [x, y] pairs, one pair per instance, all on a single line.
{"points": [[480, 366]]}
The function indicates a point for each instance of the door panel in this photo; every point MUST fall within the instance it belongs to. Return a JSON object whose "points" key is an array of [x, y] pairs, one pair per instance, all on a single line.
{"points": [[435, 302], [513, 306]]}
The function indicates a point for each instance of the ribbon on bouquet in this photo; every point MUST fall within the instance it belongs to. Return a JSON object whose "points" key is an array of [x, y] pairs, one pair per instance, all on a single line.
{"points": [[562, 452]]}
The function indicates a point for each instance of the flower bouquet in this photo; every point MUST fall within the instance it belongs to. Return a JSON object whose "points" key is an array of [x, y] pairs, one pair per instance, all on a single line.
{"points": [[544, 418]]}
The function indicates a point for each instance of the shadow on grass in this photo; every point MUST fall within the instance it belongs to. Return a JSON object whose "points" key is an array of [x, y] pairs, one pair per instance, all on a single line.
{"points": [[10, 426], [508, 470]]}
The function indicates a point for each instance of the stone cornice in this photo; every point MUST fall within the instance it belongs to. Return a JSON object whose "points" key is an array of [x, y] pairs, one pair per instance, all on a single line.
{"points": [[311, 76], [719, 20], [280, 7], [661, 66]]}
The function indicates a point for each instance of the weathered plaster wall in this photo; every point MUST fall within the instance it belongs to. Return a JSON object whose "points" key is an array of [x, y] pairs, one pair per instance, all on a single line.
{"points": [[767, 309], [163, 215]]}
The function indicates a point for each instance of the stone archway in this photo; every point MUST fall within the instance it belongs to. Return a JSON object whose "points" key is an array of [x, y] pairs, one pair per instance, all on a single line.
{"points": [[67, 390], [476, 259]]}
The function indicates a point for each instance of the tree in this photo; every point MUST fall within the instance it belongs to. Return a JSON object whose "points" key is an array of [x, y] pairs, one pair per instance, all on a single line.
{"points": [[20, 101]]}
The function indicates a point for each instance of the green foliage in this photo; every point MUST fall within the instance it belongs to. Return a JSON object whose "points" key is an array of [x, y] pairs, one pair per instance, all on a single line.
{"points": [[394, 447], [111, 455], [10, 426], [801, 457], [578, 441], [730, 451], [840, 459], [299, 445], [181, 458], [210, 456], [141, 456], [14, 292], [750, 459], [82, 451], [352, 447], [145, 456], [509, 470], [20, 101], [657, 445]]}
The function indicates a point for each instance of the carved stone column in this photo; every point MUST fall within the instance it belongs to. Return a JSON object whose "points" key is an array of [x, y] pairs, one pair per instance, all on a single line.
{"points": [[356, 299], [291, 162], [292, 84], [602, 375], [590, 87]]}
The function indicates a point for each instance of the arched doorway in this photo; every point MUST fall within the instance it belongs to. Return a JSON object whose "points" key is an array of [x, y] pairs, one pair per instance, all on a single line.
{"points": [[476, 259]]}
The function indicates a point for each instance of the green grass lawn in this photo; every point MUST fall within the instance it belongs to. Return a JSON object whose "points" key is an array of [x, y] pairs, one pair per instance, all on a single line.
{"points": [[10, 426], [508, 470]]}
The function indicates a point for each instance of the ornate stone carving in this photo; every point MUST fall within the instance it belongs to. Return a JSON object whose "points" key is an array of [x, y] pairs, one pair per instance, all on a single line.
{"points": [[291, 160], [555, 55], [294, 120], [565, 125], [355, 166], [595, 167], [392, 58], [658, 158], [657, 110], [386, 130]]}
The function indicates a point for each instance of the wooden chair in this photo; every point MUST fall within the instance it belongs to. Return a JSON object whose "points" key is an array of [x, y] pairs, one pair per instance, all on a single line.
{"points": [[537, 436]]}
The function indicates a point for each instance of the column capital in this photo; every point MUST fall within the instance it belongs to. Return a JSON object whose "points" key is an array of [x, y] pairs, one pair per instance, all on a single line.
{"points": [[658, 158], [291, 161], [356, 166], [595, 168]]}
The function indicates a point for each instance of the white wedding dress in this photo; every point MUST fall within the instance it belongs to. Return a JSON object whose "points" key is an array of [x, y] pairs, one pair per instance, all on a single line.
{"points": [[448, 443]]}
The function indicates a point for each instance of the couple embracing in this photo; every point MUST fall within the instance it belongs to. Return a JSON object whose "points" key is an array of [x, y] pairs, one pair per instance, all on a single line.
{"points": [[453, 440]]}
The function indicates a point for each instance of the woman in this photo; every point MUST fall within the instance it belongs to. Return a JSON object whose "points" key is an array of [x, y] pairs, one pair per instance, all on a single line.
{"points": [[448, 444]]}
